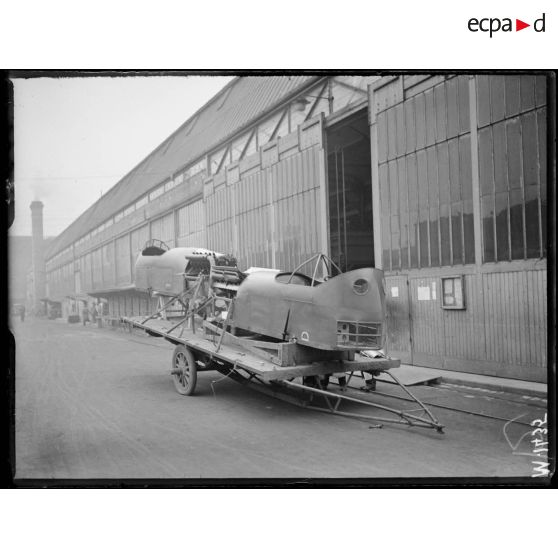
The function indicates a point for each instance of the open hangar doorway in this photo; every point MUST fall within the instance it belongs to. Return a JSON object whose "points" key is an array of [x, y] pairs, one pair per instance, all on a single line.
{"points": [[350, 192]]}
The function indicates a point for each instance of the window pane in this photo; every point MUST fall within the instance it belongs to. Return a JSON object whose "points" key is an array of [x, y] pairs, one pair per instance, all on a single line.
{"points": [[527, 87], [423, 208], [216, 160], [395, 262], [391, 133], [413, 238], [497, 97], [540, 90], [483, 100], [514, 153], [541, 120], [532, 221], [400, 130], [433, 201], [238, 146], [500, 168], [516, 224], [382, 137], [432, 166], [283, 129], [512, 95], [402, 185], [434, 237], [465, 167], [456, 235], [393, 188], [420, 121], [413, 209], [384, 203], [463, 92], [544, 226], [468, 232], [343, 95], [252, 146], [502, 242], [430, 117], [441, 106], [412, 182], [453, 114], [455, 183], [403, 212], [529, 140], [445, 234], [423, 234], [541, 126], [487, 210], [486, 171], [422, 179], [410, 135], [266, 129], [443, 173]]}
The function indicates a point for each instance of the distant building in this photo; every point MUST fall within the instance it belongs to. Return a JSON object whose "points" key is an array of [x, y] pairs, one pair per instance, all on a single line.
{"points": [[21, 282], [439, 180], [19, 250]]}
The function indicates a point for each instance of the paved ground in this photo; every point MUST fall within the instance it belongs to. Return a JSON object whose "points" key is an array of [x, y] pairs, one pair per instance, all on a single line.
{"points": [[97, 403]]}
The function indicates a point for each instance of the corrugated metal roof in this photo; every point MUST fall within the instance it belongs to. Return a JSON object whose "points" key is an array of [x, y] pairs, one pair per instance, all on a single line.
{"points": [[242, 101]]}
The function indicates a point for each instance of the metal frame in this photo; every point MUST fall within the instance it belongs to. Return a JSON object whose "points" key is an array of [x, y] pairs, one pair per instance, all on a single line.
{"points": [[463, 301], [323, 259]]}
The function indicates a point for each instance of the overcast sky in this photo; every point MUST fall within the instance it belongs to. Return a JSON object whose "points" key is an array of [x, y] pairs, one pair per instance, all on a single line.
{"points": [[76, 137]]}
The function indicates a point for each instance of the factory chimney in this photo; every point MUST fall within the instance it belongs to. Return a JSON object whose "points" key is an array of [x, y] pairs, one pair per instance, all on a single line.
{"points": [[39, 271]]}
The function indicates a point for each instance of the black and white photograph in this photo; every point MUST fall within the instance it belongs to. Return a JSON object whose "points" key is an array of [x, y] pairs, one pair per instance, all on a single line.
{"points": [[230, 277]]}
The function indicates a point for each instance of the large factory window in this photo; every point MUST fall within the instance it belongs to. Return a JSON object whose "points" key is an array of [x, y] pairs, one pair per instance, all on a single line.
{"points": [[163, 229], [425, 179], [512, 166], [122, 258], [350, 193]]}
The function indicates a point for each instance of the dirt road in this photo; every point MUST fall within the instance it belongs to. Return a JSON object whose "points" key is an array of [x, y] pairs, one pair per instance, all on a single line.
{"points": [[96, 403]]}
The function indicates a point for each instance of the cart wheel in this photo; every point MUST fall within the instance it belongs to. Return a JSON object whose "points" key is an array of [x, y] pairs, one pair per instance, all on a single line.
{"points": [[185, 379]]}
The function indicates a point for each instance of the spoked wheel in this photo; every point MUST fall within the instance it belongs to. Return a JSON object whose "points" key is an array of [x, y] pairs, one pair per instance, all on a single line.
{"points": [[185, 373]]}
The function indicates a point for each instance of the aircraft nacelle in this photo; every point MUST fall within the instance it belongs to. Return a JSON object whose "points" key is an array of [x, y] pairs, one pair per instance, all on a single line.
{"points": [[163, 270], [168, 271], [341, 313]]}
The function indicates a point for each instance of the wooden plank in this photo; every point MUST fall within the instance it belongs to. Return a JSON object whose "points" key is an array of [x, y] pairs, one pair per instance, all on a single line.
{"points": [[261, 366]]}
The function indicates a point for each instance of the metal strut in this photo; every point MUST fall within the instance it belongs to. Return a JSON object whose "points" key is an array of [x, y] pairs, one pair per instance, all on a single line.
{"points": [[279, 389], [405, 417]]}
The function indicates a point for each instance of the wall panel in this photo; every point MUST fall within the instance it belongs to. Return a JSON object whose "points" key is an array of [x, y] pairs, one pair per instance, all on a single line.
{"points": [[398, 340], [515, 317], [502, 330], [277, 205]]}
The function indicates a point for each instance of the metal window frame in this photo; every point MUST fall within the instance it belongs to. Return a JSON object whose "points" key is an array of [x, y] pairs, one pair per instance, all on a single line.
{"points": [[463, 305]]}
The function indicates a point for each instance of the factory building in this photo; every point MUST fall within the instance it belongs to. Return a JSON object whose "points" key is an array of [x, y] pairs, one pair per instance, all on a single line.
{"points": [[26, 262], [439, 180]]}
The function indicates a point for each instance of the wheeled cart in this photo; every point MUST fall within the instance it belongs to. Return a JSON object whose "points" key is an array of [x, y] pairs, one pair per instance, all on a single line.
{"points": [[285, 370]]}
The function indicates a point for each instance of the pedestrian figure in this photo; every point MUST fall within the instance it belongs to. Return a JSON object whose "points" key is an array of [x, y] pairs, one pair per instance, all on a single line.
{"points": [[85, 313], [22, 313], [93, 313]]}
